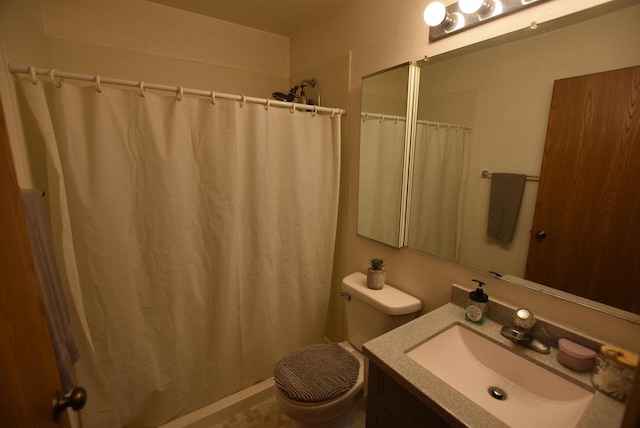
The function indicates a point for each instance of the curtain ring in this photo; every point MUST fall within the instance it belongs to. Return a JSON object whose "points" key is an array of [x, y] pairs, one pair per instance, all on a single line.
{"points": [[292, 108], [180, 94], [243, 100], [141, 86], [98, 87], [364, 119], [267, 104], [32, 74], [397, 119], [381, 118], [52, 75], [315, 111], [213, 97], [333, 113]]}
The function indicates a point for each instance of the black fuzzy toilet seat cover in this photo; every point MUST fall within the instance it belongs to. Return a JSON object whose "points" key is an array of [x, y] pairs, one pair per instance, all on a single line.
{"points": [[317, 373]]}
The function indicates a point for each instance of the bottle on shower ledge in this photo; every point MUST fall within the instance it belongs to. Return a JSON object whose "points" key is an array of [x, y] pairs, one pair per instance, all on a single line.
{"points": [[477, 304]]}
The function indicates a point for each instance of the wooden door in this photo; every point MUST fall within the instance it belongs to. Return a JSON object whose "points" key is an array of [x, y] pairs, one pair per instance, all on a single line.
{"points": [[28, 371], [585, 237]]}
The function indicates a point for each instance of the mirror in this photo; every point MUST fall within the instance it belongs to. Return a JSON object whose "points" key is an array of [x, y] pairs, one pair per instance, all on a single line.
{"points": [[384, 141], [492, 100], [487, 110]]}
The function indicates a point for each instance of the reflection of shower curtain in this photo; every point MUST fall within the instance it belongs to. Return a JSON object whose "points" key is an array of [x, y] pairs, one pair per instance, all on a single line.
{"points": [[380, 175], [203, 236], [438, 184]]}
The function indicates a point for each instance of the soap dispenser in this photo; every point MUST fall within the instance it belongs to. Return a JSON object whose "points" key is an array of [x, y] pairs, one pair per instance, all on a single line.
{"points": [[477, 304]]}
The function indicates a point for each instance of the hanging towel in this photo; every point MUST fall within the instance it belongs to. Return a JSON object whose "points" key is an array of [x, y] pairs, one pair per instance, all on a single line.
{"points": [[504, 204], [55, 305]]}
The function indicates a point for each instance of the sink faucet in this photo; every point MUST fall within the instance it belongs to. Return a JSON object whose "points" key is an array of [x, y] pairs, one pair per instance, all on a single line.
{"points": [[520, 332]]}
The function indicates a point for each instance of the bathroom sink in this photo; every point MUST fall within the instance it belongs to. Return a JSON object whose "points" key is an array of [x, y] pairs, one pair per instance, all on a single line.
{"points": [[512, 388]]}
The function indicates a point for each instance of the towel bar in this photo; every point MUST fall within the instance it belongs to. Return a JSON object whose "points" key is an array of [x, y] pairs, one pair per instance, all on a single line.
{"points": [[487, 174]]}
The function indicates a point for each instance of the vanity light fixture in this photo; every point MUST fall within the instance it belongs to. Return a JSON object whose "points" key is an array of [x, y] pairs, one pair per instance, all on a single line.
{"points": [[435, 14], [444, 20], [475, 6]]}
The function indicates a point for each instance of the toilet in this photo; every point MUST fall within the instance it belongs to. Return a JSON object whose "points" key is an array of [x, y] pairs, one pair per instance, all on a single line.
{"points": [[318, 385]]}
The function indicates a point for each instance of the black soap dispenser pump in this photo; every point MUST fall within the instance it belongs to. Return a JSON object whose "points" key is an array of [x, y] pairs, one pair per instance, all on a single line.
{"points": [[477, 304]]}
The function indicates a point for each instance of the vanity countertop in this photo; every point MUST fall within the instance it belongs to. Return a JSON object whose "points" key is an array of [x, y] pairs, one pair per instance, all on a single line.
{"points": [[388, 352]]}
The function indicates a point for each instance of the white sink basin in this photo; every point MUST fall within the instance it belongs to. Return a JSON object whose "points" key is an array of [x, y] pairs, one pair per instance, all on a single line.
{"points": [[473, 364]]}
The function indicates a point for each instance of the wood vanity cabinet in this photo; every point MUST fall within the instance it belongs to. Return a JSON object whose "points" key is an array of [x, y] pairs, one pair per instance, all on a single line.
{"points": [[390, 405]]}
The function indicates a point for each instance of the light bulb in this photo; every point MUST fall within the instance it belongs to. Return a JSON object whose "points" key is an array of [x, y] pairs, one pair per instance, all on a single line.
{"points": [[471, 6], [435, 14]]}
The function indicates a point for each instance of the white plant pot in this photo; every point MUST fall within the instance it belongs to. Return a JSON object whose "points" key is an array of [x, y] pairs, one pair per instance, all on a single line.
{"points": [[375, 278]]}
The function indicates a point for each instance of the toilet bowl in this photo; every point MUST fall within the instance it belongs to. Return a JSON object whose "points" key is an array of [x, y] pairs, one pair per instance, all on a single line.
{"points": [[369, 314], [335, 412]]}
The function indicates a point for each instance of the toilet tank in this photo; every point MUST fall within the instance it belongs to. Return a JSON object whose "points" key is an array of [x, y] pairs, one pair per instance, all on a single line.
{"points": [[371, 313]]}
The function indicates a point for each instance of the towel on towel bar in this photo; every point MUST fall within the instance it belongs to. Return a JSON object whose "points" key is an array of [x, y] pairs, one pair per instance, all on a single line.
{"points": [[55, 305], [504, 204]]}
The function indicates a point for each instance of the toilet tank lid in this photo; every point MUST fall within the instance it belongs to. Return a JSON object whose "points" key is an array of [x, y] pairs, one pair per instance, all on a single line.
{"points": [[388, 300]]}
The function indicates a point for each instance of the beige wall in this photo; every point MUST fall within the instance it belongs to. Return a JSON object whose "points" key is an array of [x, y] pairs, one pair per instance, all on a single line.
{"points": [[22, 40], [134, 40], [146, 27], [380, 35]]}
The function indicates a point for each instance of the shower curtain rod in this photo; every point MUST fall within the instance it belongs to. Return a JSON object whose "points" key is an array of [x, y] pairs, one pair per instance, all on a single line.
{"points": [[178, 90], [365, 116], [444, 125]]}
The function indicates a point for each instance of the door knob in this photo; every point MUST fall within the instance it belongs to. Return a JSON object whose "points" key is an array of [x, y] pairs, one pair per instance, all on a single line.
{"points": [[540, 235], [75, 399]]}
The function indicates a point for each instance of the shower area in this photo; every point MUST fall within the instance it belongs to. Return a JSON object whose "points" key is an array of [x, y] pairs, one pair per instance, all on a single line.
{"points": [[196, 236], [195, 226]]}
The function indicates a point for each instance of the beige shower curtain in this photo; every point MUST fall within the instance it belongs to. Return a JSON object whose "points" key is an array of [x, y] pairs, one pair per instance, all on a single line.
{"points": [[197, 241], [437, 192], [380, 178]]}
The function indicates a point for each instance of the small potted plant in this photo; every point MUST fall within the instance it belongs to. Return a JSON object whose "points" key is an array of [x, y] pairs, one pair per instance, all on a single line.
{"points": [[375, 274]]}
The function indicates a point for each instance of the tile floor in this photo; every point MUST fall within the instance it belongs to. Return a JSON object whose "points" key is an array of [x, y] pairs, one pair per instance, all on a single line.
{"points": [[267, 414]]}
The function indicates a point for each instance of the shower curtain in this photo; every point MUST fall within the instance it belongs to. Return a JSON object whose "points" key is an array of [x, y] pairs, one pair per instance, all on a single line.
{"points": [[380, 177], [197, 241], [435, 213]]}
